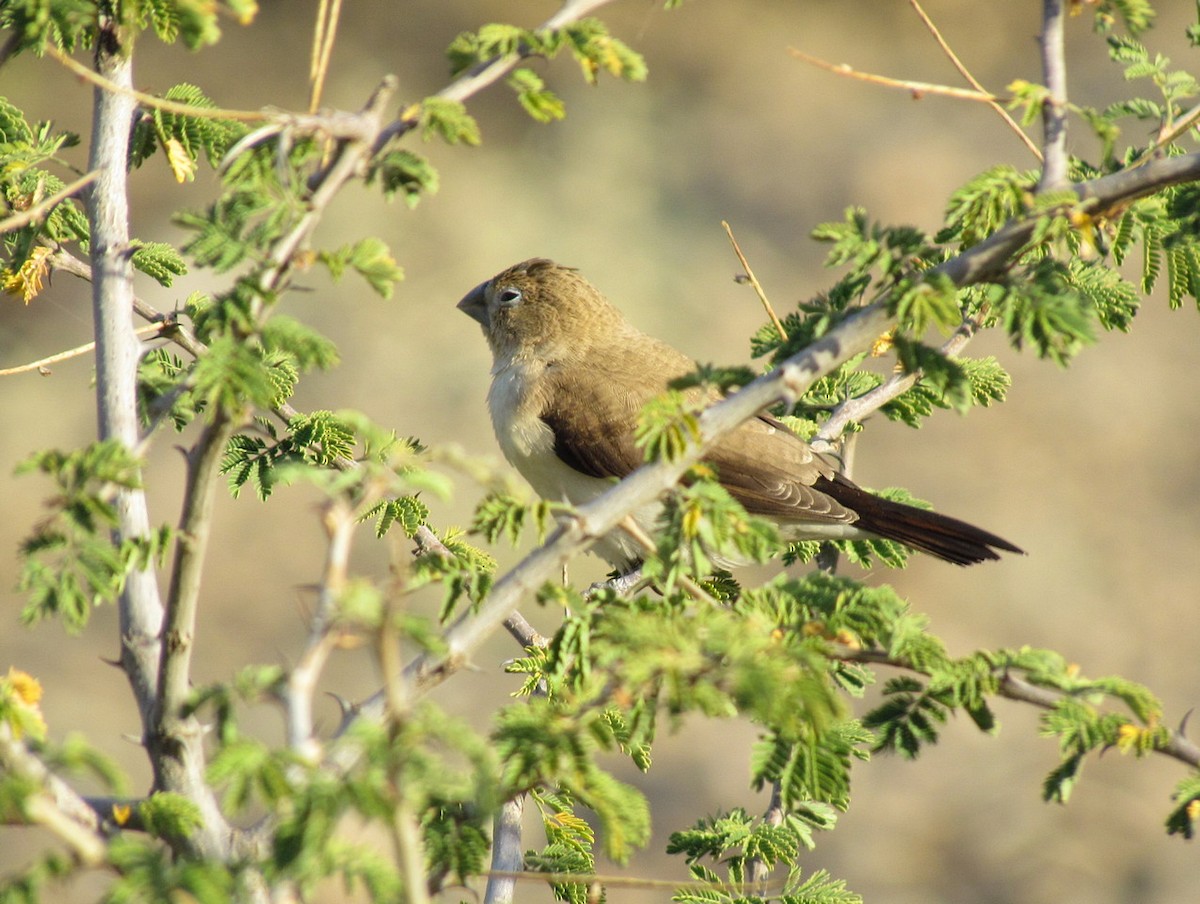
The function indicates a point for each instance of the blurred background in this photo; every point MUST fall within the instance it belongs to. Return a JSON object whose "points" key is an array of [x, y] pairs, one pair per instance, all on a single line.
{"points": [[1092, 469]]}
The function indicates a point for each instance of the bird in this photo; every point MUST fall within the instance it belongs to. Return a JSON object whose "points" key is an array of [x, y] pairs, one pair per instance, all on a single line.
{"points": [[570, 376]]}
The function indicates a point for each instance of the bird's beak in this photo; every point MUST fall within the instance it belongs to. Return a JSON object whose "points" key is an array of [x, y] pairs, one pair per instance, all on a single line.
{"points": [[474, 305]]}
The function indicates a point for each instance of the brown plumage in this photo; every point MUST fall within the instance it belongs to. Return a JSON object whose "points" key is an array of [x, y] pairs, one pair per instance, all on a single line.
{"points": [[570, 376]]}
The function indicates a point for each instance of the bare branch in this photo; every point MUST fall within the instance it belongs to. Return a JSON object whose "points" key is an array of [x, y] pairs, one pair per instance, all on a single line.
{"points": [[191, 543], [324, 33], [917, 89], [141, 609], [56, 806], [971, 80], [177, 759], [758, 289], [105, 82], [42, 364], [1054, 109], [302, 680], [508, 854]]}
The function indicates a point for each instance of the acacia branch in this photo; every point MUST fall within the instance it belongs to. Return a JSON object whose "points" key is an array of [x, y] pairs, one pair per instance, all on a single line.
{"points": [[42, 364], [141, 609], [1054, 107], [508, 854], [191, 543], [786, 383], [177, 758], [854, 410], [301, 685], [55, 805], [1013, 686]]}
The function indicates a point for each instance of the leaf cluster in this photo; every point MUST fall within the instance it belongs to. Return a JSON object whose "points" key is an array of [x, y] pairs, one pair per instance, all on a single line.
{"points": [[70, 561]]}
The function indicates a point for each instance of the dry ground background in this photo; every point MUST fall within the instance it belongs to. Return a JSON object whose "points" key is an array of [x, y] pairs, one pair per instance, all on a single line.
{"points": [[1092, 470]]}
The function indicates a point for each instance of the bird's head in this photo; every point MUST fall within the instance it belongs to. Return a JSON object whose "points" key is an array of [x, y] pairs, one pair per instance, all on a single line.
{"points": [[538, 307]]}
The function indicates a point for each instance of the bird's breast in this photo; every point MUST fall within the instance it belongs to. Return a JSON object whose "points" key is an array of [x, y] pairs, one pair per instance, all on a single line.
{"points": [[528, 442]]}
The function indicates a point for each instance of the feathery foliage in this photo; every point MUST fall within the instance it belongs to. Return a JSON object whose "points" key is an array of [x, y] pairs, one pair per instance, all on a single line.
{"points": [[236, 814]]}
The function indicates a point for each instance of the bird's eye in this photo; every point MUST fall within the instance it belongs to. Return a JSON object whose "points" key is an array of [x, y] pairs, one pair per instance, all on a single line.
{"points": [[509, 296]]}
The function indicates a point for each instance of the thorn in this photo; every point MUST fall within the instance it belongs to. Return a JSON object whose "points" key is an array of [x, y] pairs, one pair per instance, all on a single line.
{"points": [[1182, 729], [345, 706], [115, 663]]}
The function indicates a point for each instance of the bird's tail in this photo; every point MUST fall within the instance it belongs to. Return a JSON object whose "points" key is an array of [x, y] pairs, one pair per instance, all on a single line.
{"points": [[939, 535]]}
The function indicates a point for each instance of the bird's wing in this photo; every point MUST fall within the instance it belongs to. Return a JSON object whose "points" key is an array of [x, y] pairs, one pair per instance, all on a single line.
{"points": [[772, 472], [593, 413]]}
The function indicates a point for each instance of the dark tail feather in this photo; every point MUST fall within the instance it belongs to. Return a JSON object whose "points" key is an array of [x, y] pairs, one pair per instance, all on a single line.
{"points": [[939, 535]]}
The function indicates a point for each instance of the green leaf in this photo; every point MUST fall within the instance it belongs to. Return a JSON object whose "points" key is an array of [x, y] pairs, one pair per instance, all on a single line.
{"points": [[1045, 311], [409, 512], [539, 102], [931, 301], [304, 345], [985, 203], [71, 563], [449, 120], [666, 425], [1183, 817], [597, 50], [374, 263], [170, 816], [402, 171], [158, 260]]}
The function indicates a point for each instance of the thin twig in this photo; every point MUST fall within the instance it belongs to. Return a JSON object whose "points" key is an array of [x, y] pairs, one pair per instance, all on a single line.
{"points": [[183, 597], [762, 296], [338, 522], [1168, 133], [918, 89], [35, 214], [42, 363], [324, 35], [99, 80], [971, 80], [168, 322], [646, 542], [1054, 108]]}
